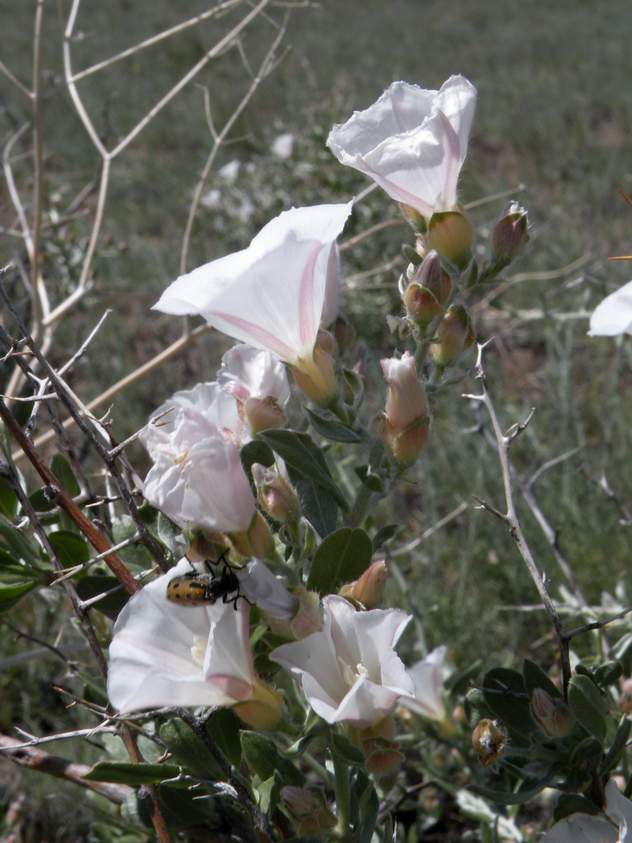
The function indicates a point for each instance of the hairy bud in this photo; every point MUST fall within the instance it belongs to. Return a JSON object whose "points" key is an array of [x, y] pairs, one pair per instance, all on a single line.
{"points": [[416, 220], [308, 810], [451, 233], [256, 540], [262, 710], [262, 414], [315, 376], [489, 739], [430, 288], [368, 589], [405, 422], [510, 234], [275, 494], [552, 715], [454, 335]]}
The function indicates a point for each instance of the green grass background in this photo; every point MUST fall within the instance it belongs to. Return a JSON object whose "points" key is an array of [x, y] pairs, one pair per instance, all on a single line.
{"points": [[554, 113]]}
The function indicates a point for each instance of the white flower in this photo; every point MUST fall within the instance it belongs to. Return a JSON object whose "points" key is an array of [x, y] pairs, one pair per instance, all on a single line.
{"points": [[349, 669], [406, 398], [613, 316], [412, 142], [197, 478], [204, 409], [248, 372], [271, 294], [166, 654], [427, 676], [331, 305], [614, 826], [262, 587]]}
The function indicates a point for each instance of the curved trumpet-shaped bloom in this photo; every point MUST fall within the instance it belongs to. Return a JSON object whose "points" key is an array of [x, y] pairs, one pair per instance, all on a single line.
{"points": [[613, 826], [613, 316], [271, 294], [349, 669], [248, 372], [165, 654], [427, 676], [197, 478], [412, 142]]}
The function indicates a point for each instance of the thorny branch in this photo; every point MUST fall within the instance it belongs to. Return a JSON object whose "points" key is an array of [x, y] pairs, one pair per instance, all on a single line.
{"points": [[510, 516]]}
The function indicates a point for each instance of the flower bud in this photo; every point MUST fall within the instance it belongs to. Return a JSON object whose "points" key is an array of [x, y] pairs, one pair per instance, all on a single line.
{"points": [[307, 618], [451, 233], [382, 757], [256, 541], [510, 234], [262, 414], [308, 810], [368, 589], [315, 376], [405, 422], [344, 333], [275, 494], [429, 290], [454, 335], [262, 709], [552, 715], [413, 217], [206, 545], [625, 700]]}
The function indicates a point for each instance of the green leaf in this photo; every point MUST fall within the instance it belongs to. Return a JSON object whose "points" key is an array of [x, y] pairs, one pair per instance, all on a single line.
{"points": [[318, 506], [588, 705], [60, 467], [305, 458], [189, 750], [527, 791], [16, 543], [256, 451], [505, 694], [223, 727], [369, 479], [332, 428], [263, 758], [132, 774], [12, 592], [622, 651], [384, 535], [41, 502], [341, 557], [618, 746], [70, 548], [586, 756], [344, 749], [608, 673], [91, 586], [268, 792], [368, 808], [8, 499], [572, 803], [535, 677]]}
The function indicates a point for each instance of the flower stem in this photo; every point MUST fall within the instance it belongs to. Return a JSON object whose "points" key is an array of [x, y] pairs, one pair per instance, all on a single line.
{"points": [[343, 796]]}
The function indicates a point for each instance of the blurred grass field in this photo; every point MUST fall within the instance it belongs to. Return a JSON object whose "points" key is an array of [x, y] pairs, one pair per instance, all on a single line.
{"points": [[554, 114]]}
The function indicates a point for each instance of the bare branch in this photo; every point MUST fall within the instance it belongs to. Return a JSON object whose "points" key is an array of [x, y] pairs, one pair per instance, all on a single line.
{"points": [[42, 762], [510, 517], [155, 39]]}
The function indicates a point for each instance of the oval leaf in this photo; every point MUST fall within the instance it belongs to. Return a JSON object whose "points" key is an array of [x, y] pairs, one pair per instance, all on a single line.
{"points": [[588, 705], [132, 774], [341, 557], [332, 428]]}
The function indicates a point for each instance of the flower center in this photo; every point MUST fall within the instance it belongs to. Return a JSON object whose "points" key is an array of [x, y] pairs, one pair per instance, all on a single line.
{"points": [[198, 650], [181, 458], [351, 674]]}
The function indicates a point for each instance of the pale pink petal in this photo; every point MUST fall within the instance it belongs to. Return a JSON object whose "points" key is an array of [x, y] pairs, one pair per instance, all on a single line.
{"points": [[365, 703], [613, 316], [427, 677], [228, 661], [582, 828], [619, 809], [248, 372], [267, 591]]}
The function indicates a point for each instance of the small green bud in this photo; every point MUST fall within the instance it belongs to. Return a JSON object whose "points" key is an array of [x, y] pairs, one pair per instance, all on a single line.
{"points": [[451, 233], [429, 290], [454, 335], [552, 715], [510, 234]]}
